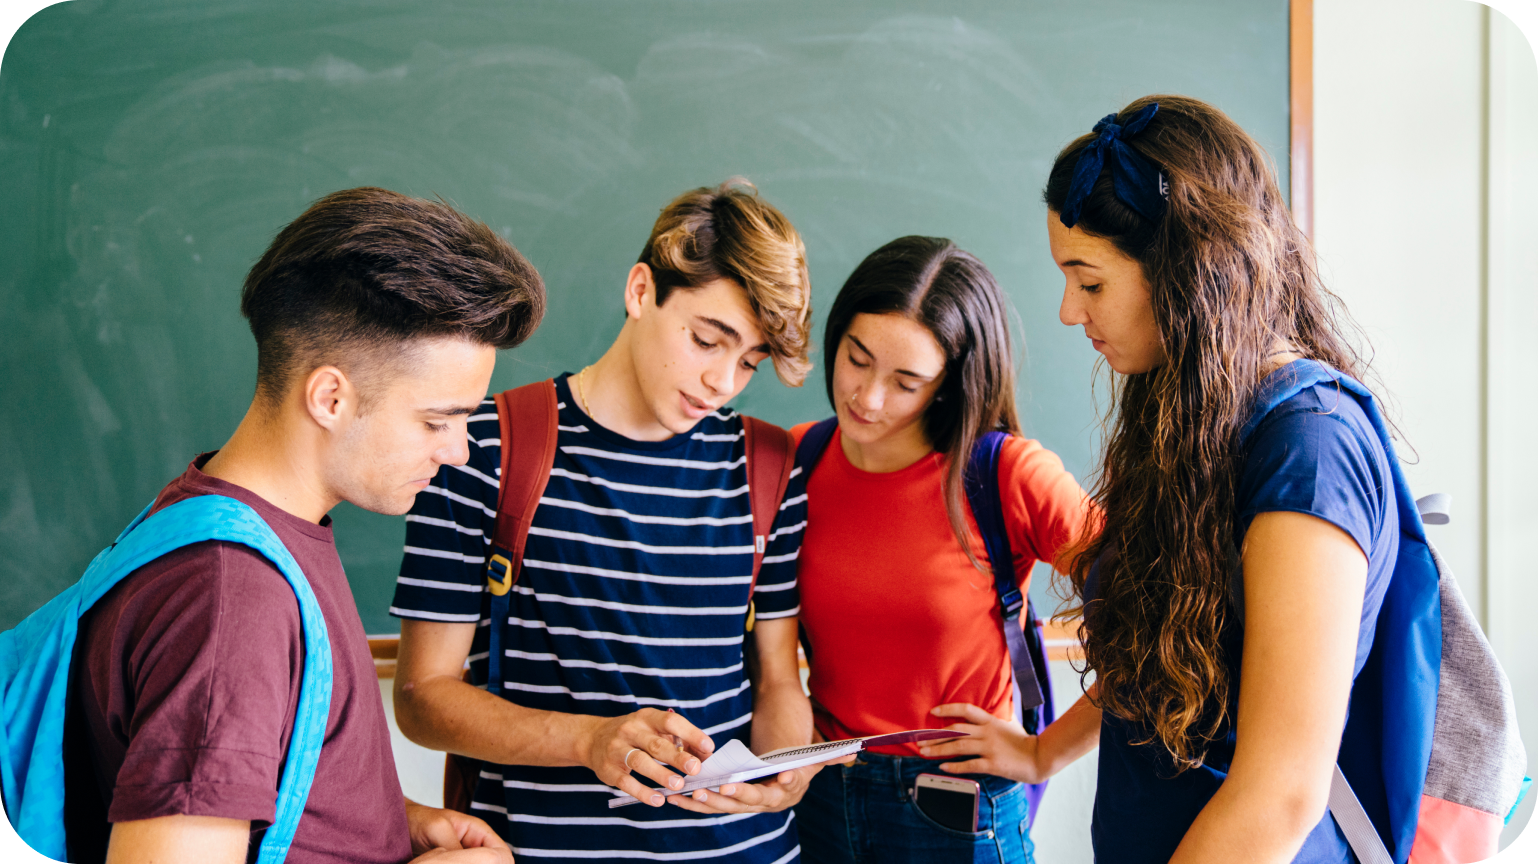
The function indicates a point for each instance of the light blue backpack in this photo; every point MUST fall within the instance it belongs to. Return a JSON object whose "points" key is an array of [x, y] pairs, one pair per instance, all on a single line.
{"points": [[35, 664]]}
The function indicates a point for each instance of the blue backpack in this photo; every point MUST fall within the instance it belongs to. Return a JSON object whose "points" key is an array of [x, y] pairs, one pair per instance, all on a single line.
{"points": [[1026, 642], [1431, 764], [35, 663]]}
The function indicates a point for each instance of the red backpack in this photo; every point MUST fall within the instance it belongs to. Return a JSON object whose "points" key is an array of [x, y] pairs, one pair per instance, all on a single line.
{"points": [[527, 417]]}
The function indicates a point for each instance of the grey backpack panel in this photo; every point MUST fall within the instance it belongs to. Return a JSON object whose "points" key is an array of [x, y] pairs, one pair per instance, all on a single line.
{"points": [[1477, 758]]}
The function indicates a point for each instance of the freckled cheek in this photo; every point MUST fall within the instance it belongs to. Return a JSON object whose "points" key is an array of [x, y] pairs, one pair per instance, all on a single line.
{"points": [[913, 405], [844, 383]]}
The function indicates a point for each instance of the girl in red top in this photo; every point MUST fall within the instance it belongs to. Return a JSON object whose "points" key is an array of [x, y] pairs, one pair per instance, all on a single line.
{"points": [[897, 597]]}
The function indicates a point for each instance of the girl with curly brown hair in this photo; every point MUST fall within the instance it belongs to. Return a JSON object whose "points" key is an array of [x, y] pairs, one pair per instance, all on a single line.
{"points": [[1231, 597]]}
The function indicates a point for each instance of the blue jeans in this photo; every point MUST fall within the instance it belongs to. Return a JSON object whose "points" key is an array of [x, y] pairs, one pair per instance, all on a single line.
{"points": [[863, 814]]}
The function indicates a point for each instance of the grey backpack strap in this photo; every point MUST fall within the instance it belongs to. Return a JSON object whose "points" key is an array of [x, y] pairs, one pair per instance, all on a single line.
{"points": [[1353, 822], [1436, 508], [1344, 806]]}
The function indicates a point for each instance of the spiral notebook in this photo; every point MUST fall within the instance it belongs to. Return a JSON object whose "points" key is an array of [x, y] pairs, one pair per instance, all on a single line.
{"points": [[735, 763]]}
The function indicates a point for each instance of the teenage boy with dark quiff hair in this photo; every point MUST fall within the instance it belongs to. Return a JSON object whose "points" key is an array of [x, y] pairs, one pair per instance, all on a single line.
{"points": [[377, 320], [623, 648]]}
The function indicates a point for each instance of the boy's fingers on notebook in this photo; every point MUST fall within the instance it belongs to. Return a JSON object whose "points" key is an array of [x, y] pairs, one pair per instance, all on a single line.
{"points": [[732, 798], [695, 802], [663, 751], [656, 767], [637, 742], [639, 791], [688, 733], [750, 796]]}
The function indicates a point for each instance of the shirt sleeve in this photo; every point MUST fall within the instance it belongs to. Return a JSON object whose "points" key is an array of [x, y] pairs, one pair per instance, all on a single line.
{"points": [[449, 531], [213, 651], [1044, 507], [1305, 460], [776, 595]]}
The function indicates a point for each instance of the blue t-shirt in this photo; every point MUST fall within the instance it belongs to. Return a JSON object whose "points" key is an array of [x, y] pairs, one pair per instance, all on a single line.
{"points": [[1315, 453], [633, 594]]}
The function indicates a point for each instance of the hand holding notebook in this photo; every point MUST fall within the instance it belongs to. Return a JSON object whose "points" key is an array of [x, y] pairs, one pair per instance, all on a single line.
{"points": [[735, 763]]}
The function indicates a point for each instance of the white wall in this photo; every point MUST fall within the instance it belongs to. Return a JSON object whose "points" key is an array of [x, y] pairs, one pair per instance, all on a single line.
{"points": [[1426, 167], [420, 769], [1512, 358], [1061, 830], [1399, 228], [1426, 143]]}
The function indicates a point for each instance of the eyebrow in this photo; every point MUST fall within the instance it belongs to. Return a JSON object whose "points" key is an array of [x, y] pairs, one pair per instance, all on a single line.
{"points": [[729, 332], [855, 340], [449, 412], [1077, 263]]}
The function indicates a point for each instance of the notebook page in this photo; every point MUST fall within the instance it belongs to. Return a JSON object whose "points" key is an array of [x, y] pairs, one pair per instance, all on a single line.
{"points": [[735, 763]]}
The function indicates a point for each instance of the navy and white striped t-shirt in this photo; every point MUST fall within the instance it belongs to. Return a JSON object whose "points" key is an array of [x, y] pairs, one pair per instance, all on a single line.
{"points": [[633, 594]]}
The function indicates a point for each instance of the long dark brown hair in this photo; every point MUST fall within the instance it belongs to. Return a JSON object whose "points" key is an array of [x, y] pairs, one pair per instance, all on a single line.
{"points": [[958, 301], [1232, 279]]}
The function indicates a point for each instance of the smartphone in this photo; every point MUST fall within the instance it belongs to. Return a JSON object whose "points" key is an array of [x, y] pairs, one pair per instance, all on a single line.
{"points": [[950, 801]]}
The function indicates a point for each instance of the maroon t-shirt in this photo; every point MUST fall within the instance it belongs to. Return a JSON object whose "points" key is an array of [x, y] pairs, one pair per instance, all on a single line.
{"points": [[187, 677]]}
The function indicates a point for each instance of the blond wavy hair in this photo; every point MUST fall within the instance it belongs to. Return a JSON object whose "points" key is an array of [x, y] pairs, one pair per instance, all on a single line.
{"points": [[729, 232]]}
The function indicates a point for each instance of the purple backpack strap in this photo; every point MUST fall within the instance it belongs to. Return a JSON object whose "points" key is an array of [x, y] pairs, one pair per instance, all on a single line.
{"points": [[1026, 643], [808, 453], [816, 439]]}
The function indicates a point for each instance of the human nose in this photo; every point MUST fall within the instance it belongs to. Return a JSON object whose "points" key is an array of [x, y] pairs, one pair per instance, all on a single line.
{"points": [[869, 397], [1071, 311], [456, 452], [717, 377]]}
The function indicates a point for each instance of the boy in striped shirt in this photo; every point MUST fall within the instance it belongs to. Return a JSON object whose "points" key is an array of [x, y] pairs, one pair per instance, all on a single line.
{"points": [[623, 648]]}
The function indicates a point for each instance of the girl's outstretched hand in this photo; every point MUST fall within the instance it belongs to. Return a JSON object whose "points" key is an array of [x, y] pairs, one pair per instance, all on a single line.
{"points": [[999, 747]]}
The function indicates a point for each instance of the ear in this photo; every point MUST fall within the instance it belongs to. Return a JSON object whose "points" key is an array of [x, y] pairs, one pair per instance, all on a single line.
{"points": [[330, 397], [640, 290]]}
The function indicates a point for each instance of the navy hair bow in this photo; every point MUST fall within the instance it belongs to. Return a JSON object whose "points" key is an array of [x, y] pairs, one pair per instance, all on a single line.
{"points": [[1137, 181]]}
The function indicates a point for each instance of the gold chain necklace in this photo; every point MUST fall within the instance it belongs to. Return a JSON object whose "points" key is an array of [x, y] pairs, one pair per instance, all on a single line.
{"points": [[582, 392]]}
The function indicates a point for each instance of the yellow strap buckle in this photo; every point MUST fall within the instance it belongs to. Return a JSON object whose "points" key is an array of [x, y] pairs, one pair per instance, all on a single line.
{"points": [[499, 563]]}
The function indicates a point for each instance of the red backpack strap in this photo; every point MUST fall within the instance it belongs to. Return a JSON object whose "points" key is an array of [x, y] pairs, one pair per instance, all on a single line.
{"points": [[527, 416], [769, 450]]}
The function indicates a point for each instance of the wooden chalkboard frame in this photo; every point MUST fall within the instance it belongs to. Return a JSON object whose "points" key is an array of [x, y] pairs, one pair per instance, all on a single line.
{"points": [[1301, 102]]}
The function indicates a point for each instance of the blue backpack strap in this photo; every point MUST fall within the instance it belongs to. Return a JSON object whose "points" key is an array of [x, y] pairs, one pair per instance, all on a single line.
{"points": [[1386, 746], [36, 698]]}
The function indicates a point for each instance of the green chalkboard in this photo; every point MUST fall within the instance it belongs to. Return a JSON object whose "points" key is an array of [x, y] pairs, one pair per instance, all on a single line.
{"points": [[150, 150]]}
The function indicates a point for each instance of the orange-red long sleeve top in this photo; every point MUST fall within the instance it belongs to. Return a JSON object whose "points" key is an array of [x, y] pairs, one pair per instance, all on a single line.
{"points": [[898, 619]]}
